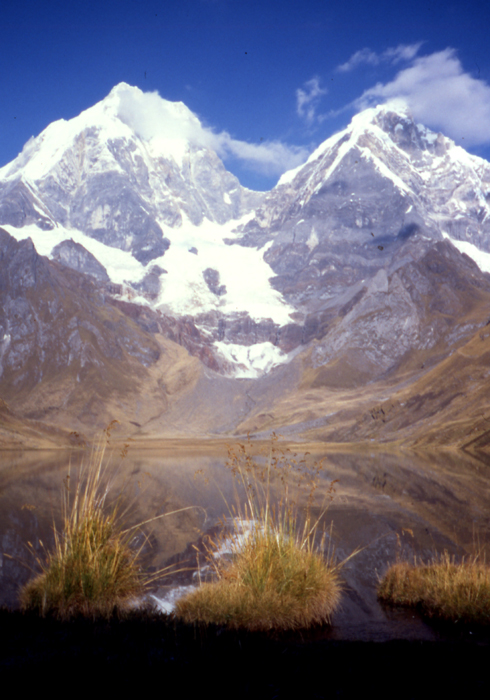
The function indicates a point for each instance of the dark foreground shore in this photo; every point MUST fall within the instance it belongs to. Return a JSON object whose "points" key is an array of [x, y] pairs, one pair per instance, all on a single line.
{"points": [[151, 649]]}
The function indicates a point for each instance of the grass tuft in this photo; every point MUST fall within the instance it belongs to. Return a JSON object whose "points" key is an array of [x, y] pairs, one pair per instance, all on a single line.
{"points": [[443, 588], [93, 569], [277, 577]]}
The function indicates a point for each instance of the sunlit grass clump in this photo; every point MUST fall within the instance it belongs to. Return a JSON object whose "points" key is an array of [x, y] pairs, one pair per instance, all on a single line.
{"points": [[443, 588], [272, 583], [92, 569], [278, 576]]}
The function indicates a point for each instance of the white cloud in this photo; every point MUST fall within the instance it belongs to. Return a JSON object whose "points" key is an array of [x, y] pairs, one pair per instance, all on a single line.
{"points": [[307, 99], [358, 58], [268, 157], [150, 116], [441, 95], [402, 52]]}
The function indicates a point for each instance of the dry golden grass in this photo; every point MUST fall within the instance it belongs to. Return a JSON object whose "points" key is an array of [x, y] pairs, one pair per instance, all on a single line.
{"points": [[272, 583], [93, 569], [443, 588], [278, 577]]}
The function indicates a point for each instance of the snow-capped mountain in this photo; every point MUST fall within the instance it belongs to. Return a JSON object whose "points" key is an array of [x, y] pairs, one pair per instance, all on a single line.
{"points": [[351, 260], [365, 193], [147, 201], [118, 178], [345, 232]]}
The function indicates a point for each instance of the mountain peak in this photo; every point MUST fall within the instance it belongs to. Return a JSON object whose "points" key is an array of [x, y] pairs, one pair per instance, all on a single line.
{"points": [[147, 114], [124, 113], [150, 116], [124, 87], [394, 119], [391, 122], [378, 114]]}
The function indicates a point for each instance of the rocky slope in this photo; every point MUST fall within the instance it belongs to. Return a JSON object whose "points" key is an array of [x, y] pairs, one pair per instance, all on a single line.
{"points": [[67, 351]]}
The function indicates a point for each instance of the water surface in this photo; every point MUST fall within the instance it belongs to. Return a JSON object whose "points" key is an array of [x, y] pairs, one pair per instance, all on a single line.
{"points": [[391, 504]]}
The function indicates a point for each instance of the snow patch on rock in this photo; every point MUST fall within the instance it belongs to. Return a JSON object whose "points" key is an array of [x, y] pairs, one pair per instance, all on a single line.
{"points": [[251, 361]]}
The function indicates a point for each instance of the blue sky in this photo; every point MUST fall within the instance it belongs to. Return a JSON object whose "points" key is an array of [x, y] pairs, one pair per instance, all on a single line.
{"points": [[271, 78]]}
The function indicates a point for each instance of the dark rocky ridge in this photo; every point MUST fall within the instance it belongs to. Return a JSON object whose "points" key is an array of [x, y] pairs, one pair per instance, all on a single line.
{"points": [[78, 258], [416, 307], [55, 321]]}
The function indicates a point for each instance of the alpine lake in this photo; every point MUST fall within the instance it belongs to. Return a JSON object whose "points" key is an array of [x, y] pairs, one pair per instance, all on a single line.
{"points": [[391, 505]]}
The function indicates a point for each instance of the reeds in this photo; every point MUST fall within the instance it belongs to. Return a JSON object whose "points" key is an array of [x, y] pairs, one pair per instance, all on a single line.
{"points": [[442, 588], [93, 568], [277, 577]]}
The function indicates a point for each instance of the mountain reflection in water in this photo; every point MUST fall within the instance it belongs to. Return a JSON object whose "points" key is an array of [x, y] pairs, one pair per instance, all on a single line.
{"points": [[390, 504]]}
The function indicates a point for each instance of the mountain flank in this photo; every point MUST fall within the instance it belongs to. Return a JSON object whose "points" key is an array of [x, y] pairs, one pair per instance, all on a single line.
{"points": [[139, 281]]}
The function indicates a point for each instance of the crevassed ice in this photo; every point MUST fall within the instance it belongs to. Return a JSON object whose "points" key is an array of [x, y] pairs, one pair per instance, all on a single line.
{"points": [[243, 271], [251, 361]]}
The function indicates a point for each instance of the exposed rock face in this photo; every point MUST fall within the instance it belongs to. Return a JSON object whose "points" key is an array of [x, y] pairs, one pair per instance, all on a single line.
{"points": [[19, 206], [345, 232], [78, 258], [55, 326], [59, 328], [422, 305], [211, 277], [150, 284]]}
